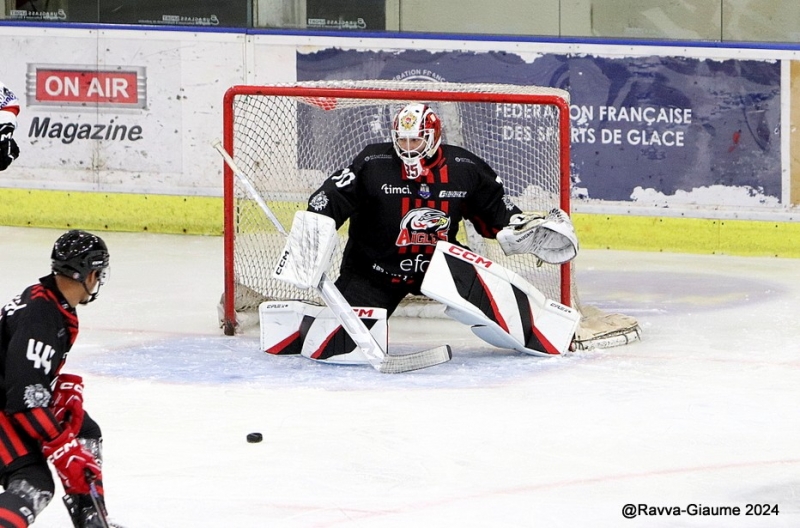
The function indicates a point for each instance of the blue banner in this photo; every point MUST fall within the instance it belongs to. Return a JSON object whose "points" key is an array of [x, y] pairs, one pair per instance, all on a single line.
{"points": [[640, 125]]}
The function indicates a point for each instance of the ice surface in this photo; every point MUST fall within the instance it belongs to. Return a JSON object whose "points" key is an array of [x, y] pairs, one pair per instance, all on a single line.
{"points": [[703, 411]]}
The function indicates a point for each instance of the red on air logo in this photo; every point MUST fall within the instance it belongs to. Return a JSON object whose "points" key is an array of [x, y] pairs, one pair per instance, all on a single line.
{"points": [[86, 86]]}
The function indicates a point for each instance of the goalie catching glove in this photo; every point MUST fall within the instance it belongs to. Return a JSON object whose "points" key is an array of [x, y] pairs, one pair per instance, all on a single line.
{"points": [[549, 237]]}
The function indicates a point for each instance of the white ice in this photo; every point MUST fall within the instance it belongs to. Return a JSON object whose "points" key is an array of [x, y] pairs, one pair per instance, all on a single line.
{"points": [[705, 410]]}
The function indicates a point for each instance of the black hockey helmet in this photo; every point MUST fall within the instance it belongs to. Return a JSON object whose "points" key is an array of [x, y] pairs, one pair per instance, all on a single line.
{"points": [[77, 253]]}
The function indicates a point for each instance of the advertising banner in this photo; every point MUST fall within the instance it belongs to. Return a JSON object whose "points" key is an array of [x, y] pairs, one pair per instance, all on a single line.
{"points": [[120, 111], [649, 129], [346, 14], [226, 13]]}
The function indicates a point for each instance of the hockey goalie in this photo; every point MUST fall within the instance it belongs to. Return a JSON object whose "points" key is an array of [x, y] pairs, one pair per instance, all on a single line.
{"points": [[405, 200], [501, 307]]}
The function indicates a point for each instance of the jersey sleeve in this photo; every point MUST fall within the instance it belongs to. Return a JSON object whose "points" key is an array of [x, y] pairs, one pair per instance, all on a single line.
{"points": [[338, 197], [9, 106], [489, 208], [32, 358], [40, 423]]}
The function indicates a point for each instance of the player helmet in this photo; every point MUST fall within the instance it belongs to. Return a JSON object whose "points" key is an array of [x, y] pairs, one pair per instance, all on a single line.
{"points": [[416, 121], [77, 253]]}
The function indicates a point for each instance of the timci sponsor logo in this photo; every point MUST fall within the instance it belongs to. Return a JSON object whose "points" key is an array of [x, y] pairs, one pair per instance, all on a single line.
{"points": [[69, 85], [394, 189], [469, 256]]}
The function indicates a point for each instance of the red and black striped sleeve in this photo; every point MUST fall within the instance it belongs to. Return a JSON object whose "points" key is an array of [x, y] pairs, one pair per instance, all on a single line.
{"points": [[39, 423]]}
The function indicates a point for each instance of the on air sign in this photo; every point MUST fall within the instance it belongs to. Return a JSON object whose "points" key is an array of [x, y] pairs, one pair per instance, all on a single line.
{"points": [[118, 87]]}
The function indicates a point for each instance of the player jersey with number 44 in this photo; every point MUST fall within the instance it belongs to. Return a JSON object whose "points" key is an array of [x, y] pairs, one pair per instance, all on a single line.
{"points": [[37, 330]]}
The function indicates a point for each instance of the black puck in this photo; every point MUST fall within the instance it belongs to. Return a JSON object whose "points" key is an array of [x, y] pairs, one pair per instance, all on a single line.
{"points": [[254, 438]]}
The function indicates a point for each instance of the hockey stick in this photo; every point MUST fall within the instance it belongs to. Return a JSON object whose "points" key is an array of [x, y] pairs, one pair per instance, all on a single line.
{"points": [[98, 507], [102, 516], [342, 310]]}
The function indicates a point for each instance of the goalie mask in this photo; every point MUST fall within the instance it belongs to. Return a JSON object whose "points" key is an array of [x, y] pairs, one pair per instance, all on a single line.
{"points": [[416, 133], [76, 254]]}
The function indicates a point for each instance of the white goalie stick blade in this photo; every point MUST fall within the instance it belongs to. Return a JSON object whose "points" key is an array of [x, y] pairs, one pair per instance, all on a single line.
{"points": [[599, 329], [416, 360], [377, 356]]}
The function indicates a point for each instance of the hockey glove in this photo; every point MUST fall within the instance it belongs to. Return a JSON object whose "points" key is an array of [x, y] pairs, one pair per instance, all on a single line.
{"points": [[9, 151], [68, 401], [75, 465], [550, 238]]}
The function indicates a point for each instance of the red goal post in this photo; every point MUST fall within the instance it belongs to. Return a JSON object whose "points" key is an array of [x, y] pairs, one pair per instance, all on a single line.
{"points": [[288, 138]]}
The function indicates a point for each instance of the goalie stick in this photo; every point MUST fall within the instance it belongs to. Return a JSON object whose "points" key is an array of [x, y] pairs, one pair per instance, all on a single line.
{"points": [[377, 357]]}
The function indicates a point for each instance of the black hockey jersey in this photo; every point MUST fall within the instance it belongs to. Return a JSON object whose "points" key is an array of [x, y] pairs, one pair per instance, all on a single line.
{"points": [[395, 221], [37, 330]]}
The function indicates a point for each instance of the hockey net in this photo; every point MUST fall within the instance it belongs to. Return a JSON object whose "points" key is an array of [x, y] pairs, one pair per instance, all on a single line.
{"points": [[288, 138]]}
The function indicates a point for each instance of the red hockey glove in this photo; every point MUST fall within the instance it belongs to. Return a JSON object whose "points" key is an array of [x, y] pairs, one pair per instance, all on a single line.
{"points": [[68, 401], [74, 464]]}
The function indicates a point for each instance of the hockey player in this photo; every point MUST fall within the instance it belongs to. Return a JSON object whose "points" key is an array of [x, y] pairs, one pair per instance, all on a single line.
{"points": [[9, 110], [42, 415], [404, 201]]}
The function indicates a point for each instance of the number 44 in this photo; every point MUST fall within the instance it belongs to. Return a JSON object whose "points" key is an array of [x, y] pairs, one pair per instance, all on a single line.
{"points": [[40, 354]]}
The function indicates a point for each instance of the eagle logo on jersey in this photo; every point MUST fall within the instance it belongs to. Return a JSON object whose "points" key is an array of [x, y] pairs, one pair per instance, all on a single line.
{"points": [[424, 227], [36, 396]]}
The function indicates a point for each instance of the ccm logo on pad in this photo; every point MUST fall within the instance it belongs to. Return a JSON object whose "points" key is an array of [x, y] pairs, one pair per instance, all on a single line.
{"points": [[469, 256], [282, 262]]}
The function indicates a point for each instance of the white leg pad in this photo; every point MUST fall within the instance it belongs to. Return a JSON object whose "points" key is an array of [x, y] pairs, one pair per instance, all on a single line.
{"points": [[281, 322], [296, 327], [327, 341], [504, 309]]}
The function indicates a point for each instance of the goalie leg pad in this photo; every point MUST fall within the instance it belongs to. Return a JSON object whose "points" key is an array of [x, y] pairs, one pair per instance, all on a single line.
{"points": [[503, 308], [328, 342], [284, 325], [308, 251]]}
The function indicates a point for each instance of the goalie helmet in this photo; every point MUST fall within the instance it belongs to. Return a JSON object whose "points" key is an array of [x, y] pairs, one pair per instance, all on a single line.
{"points": [[77, 253], [413, 122]]}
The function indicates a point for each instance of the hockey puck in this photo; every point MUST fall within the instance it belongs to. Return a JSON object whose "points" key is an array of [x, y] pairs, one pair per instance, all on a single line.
{"points": [[254, 438]]}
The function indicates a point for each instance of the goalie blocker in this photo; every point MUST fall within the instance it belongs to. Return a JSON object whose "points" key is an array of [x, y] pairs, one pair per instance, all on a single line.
{"points": [[501, 307]]}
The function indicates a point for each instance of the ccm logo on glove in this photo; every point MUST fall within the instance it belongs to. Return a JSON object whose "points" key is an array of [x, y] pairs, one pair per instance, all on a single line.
{"points": [[58, 453]]}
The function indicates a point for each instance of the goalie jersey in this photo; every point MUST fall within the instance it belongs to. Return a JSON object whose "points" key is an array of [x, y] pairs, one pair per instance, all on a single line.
{"points": [[396, 221]]}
